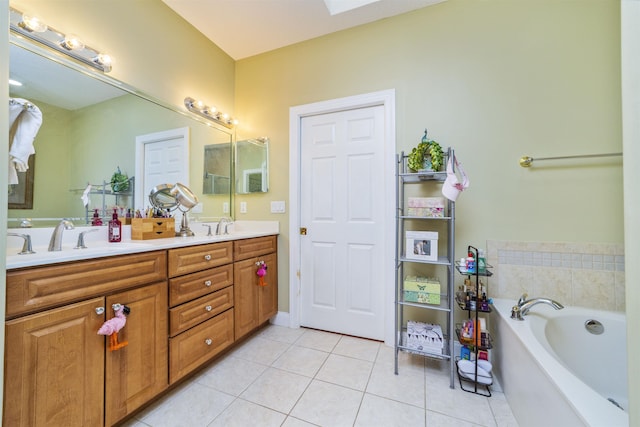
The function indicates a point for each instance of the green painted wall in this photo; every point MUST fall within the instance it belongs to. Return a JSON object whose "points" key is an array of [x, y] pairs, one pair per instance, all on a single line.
{"points": [[496, 80]]}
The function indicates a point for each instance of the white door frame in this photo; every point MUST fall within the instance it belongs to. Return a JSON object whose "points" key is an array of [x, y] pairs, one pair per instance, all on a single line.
{"points": [[387, 99]]}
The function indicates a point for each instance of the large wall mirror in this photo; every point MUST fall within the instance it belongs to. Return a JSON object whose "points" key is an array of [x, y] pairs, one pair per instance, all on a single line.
{"points": [[252, 166], [89, 127]]}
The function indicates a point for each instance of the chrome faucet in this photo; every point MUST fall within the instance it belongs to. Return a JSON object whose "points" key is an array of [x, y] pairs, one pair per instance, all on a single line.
{"points": [[80, 244], [26, 247], [226, 222], [55, 244], [524, 305]]}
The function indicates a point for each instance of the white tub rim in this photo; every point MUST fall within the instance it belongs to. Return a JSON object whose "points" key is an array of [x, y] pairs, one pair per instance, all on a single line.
{"points": [[594, 409]]}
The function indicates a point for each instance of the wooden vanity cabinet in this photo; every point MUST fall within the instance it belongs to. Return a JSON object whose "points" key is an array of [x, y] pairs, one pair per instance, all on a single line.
{"points": [[58, 370], [201, 302], [254, 304]]}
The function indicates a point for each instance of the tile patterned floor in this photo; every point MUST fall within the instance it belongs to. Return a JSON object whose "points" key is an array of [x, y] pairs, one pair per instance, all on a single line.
{"points": [[303, 377]]}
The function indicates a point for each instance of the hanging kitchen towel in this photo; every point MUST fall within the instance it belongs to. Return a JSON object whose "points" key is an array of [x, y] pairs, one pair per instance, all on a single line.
{"points": [[25, 120], [454, 185]]}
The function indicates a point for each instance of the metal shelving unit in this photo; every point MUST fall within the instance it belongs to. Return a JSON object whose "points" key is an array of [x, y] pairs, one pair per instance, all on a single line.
{"points": [[432, 182]]}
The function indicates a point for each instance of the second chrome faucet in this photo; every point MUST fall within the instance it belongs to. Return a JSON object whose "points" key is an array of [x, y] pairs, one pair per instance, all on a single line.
{"points": [[524, 305]]}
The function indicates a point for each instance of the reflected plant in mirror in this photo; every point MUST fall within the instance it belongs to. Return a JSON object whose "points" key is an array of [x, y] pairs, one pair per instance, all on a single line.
{"points": [[252, 166], [90, 123]]}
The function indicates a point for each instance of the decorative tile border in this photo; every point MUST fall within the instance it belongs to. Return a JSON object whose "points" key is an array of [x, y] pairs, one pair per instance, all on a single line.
{"points": [[580, 274]]}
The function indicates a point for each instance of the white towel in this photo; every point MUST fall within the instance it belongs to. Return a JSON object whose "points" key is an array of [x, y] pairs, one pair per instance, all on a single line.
{"points": [[26, 119]]}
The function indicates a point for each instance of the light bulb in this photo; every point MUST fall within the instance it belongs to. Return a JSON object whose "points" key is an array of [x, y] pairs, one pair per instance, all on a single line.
{"points": [[72, 42], [32, 23], [14, 82]]}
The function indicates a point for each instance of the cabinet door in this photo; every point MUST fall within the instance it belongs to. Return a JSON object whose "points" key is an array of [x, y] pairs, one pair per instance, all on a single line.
{"points": [[139, 371], [268, 295], [245, 296], [54, 368]]}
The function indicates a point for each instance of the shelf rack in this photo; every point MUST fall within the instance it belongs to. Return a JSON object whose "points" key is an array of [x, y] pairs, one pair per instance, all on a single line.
{"points": [[480, 384], [404, 177]]}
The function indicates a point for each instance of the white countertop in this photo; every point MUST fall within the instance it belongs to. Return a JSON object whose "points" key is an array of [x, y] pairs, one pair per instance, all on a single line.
{"points": [[98, 245]]}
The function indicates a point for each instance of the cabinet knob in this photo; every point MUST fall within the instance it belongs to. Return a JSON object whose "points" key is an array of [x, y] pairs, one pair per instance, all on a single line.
{"points": [[99, 310], [208, 341], [208, 308], [207, 257], [207, 283]]}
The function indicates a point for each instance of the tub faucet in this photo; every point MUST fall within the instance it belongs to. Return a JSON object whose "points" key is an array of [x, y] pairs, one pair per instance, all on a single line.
{"points": [[55, 244], [524, 305]]}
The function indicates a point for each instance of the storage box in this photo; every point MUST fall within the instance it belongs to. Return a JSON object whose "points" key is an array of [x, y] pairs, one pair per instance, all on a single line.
{"points": [[422, 245], [430, 207], [152, 228], [422, 289], [424, 337]]}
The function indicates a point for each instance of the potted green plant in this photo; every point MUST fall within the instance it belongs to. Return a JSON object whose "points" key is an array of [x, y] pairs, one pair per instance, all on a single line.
{"points": [[427, 156], [119, 181]]}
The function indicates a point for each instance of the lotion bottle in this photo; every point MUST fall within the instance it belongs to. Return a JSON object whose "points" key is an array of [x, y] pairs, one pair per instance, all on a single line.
{"points": [[115, 228]]}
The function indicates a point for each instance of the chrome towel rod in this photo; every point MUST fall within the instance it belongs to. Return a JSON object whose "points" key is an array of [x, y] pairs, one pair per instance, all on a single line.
{"points": [[526, 161]]}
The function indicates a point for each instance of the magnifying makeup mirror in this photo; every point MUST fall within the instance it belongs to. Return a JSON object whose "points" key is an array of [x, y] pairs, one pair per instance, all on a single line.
{"points": [[186, 201]]}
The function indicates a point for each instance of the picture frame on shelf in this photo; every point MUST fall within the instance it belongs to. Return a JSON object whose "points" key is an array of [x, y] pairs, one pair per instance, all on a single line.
{"points": [[421, 245]]}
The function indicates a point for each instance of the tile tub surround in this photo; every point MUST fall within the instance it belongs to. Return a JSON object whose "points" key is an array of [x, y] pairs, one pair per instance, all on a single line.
{"points": [[579, 274], [304, 377]]}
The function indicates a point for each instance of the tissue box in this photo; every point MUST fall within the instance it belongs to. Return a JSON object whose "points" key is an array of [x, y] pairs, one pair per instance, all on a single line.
{"points": [[422, 245], [430, 207], [152, 228], [422, 289], [424, 337]]}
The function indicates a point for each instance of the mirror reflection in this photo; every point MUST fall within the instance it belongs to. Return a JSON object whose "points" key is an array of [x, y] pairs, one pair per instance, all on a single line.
{"points": [[89, 127], [217, 169], [252, 166]]}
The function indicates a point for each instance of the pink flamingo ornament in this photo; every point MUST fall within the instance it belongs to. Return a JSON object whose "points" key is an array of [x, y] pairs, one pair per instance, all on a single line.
{"points": [[262, 271], [112, 326]]}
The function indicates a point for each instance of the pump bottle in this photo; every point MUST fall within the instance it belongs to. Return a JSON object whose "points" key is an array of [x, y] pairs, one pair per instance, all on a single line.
{"points": [[115, 228]]}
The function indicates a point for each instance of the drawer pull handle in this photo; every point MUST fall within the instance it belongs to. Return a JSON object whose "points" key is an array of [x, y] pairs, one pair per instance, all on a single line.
{"points": [[208, 341], [207, 283], [208, 308], [207, 257], [99, 310]]}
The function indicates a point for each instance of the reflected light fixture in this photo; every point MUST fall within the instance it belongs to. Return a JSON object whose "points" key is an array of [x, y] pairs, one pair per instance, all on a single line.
{"points": [[33, 28], [203, 110]]}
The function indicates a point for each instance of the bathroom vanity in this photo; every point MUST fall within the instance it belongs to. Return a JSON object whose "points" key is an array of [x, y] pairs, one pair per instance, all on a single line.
{"points": [[189, 300]]}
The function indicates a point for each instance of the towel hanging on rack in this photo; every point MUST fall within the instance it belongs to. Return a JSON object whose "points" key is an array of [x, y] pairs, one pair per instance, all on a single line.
{"points": [[25, 120]]}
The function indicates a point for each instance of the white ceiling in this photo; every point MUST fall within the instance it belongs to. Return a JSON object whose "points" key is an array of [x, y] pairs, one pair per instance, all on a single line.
{"points": [[244, 28]]}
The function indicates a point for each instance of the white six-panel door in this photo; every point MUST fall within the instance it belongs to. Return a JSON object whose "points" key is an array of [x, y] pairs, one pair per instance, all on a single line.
{"points": [[342, 209]]}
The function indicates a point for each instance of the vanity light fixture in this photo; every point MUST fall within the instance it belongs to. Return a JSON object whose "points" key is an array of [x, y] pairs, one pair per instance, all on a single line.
{"points": [[33, 28], [199, 108]]}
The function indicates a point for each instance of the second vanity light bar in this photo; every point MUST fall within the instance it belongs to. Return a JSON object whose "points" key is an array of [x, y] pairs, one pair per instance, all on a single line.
{"points": [[199, 108]]}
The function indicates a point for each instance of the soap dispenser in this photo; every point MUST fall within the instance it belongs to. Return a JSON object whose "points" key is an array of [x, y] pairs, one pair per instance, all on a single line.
{"points": [[115, 228]]}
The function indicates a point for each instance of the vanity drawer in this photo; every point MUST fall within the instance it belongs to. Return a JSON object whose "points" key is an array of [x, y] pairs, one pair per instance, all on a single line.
{"points": [[249, 248], [37, 288], [197, 311], [192, 348], [195, 285], [197, 258]]}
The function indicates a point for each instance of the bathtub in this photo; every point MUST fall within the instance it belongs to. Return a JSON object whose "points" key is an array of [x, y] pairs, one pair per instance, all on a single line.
{"points": [[553, 372]]}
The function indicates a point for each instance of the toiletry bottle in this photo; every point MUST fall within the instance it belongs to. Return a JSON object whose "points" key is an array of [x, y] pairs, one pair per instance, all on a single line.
{"points": [[115, 228], [482, 262]]}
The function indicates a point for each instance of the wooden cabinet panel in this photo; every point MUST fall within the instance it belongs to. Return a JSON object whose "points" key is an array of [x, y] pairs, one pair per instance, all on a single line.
{"points": [[197, 311], [245, 296], [254, 304], [197, 258], [34, 289], [191, 286], [54, 368], [192, 348], [268, 295], [249, 248], [138, 372]]}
